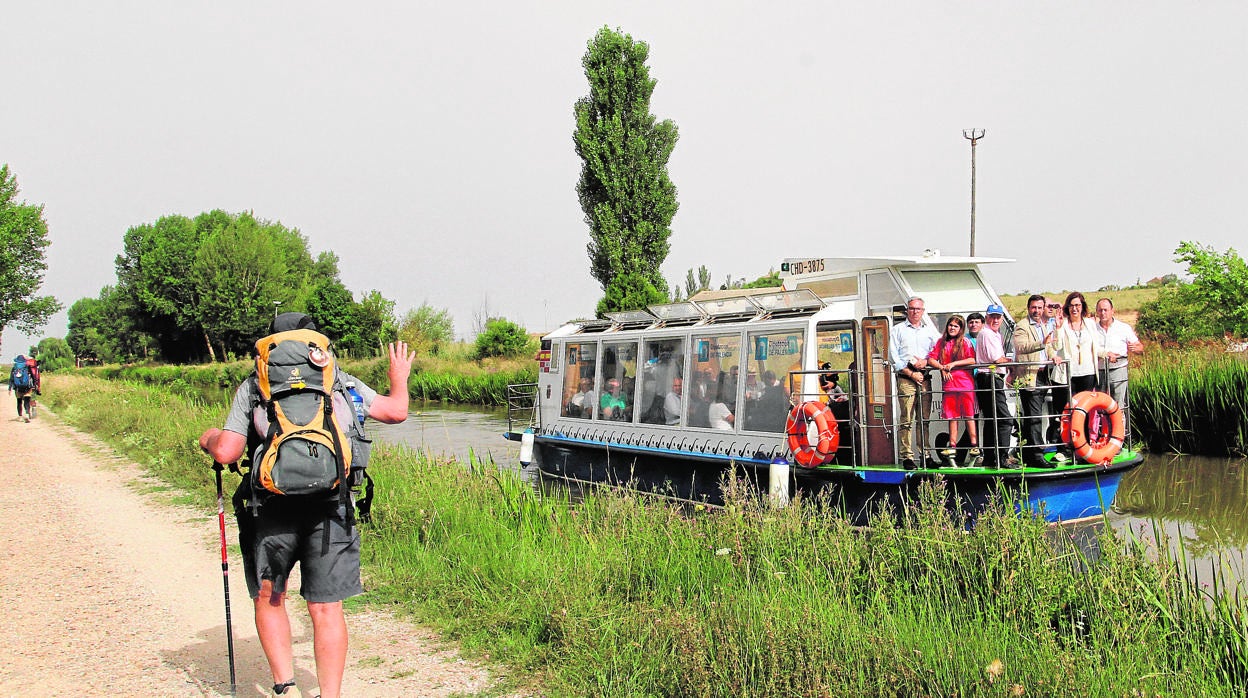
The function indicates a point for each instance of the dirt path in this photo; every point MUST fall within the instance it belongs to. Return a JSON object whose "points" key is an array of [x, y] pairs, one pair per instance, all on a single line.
{"points": [[111, 591]]}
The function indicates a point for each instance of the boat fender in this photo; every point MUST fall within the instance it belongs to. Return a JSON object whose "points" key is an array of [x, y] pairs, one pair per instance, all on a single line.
{"points": [[526, 447], [1094, 427], [813, 434]]}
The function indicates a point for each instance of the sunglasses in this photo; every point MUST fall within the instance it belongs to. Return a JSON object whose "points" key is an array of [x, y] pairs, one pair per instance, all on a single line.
{"points": [[1054, 306]]}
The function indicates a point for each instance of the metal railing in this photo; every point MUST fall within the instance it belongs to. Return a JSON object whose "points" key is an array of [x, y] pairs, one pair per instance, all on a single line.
{"points": [[930, 424], [523, 407]]}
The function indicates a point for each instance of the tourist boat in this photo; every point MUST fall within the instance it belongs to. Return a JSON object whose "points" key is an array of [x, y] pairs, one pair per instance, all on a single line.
{"points": [[749, 401]]}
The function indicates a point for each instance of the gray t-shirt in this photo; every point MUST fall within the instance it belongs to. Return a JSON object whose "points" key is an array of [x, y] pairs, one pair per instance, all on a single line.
{"points": [[241, 418]]}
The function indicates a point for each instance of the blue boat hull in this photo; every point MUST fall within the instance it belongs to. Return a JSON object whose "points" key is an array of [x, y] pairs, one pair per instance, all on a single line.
{"points": [[1064, 493]]}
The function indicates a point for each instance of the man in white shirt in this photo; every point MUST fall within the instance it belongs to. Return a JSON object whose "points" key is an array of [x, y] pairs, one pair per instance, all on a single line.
{"points": [[671, 403], [909, 343], [1116, 340]]}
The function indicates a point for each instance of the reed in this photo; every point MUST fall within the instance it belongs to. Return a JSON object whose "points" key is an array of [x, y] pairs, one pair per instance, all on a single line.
{"points": [[1191, 401], [620, 595]]}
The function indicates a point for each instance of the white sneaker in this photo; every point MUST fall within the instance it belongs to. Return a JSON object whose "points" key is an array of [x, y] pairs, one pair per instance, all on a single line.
{"points": [[1060, 457]]}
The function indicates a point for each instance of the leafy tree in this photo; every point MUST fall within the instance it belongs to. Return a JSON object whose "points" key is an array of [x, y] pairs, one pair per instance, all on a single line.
{"points": [[624, 189], [238, 273], [207, 286], [1214, 302], [154, 272], [54, 354], [23, 244], [105, 329], [629, 292], [770, 280], [375, 324], [427, 330], [502, 337]]}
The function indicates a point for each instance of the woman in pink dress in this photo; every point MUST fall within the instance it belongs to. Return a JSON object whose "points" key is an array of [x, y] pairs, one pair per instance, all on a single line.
{"points": [[950, 355]]}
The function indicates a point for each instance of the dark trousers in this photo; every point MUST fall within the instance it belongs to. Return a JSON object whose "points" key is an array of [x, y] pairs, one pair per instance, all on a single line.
{"points": [[994, 409], [1033, 424]]}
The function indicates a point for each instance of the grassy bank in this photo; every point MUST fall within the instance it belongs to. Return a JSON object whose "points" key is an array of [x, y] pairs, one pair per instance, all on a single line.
{"points": [[1191, 401], [621, 596], [434, 379]]}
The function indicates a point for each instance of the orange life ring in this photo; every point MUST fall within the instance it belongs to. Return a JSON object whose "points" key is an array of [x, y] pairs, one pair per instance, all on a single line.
{"points": [[1094, 427], [827, 435]]}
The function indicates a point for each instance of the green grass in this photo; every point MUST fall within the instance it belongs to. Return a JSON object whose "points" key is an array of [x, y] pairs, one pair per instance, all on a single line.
{"points": [[619, 595], [453, 379], [1191, 401], [1127, 302]]}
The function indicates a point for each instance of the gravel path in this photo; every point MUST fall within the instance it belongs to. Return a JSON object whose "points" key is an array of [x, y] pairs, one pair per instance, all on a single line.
{"points": [[110, 589]]}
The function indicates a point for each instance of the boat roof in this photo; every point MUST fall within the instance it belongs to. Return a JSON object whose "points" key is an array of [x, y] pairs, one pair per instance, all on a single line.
{"points": [[843, 265]]}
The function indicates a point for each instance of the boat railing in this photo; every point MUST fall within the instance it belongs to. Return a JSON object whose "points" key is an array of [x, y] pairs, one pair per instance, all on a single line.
{"points": [[1025, 404], [843, 401], [523, 403]]}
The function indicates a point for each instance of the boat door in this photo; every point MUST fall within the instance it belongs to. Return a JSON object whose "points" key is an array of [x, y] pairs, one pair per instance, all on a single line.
{"points": [[877, 393], [836, 358]]}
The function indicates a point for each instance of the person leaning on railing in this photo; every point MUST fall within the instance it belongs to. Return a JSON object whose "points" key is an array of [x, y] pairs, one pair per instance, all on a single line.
{"points": [[990, 389]]}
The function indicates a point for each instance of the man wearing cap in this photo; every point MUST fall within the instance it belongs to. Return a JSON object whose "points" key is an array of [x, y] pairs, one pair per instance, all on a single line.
{"points": [[909, 343], [317, 536], [990, 388]]}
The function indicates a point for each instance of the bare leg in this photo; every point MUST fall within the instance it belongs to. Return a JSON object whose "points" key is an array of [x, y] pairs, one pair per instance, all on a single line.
{"points": [[970, 431], [329, 644], [273, 627]]}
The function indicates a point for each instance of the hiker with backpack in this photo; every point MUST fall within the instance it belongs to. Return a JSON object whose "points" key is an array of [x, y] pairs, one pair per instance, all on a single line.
{"points": [[23, 380], [300, 421]]}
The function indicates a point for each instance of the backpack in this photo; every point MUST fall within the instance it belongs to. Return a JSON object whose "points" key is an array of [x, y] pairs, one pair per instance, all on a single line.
{"points": [[303, 451], [19, 377], [32, 365]]}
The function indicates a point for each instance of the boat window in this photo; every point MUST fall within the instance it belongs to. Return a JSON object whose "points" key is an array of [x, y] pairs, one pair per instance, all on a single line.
{"points": [[772, 355], [662, 381], [833, 288], [712, 390], [950, 291], [882, 292], [618, 381], [579, 394]]}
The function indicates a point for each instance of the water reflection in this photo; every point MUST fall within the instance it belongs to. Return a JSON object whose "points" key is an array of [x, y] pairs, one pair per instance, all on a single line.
{"points": [[1205, 500], [453, 430]]}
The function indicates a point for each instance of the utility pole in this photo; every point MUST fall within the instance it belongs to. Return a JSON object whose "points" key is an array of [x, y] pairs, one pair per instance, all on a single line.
{"points": [[973, 135]]}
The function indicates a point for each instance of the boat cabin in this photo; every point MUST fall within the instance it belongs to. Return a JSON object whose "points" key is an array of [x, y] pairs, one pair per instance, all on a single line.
{"points": [[716, 378]]}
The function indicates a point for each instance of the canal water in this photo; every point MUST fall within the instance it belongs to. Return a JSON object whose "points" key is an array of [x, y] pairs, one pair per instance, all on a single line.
{"points": [[1198, 503]]}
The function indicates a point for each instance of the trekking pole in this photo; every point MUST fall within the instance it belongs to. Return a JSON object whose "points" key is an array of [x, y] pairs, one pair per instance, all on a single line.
{"points": [[225, 577]]}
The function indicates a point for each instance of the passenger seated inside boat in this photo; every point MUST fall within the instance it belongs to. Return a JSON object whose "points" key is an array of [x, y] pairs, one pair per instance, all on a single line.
{"points": [[831, 385], [613, 405], [582, 402], [720, 416]]}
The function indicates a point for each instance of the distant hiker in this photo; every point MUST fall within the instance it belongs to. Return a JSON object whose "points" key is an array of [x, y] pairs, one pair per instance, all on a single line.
{"points": [[289, 511], [23, 382]]}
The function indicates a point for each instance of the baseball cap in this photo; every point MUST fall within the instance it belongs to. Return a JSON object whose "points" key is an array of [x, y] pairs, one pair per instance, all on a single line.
{"points": [[995, 309]]}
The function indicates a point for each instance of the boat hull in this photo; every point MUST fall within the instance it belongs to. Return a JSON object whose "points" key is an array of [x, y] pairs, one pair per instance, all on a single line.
{"points": [[1059, 494]]}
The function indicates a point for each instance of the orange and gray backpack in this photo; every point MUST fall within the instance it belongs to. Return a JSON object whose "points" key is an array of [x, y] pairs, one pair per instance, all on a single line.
{"points": [[304, 450]]}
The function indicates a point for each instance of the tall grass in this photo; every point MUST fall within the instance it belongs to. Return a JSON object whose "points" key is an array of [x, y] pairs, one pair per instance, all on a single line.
{"points": [[618, 595], [1191, 401], [434, 379]]}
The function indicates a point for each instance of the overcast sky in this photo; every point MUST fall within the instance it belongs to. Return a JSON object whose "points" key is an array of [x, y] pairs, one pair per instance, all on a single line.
{"points": [[429, 145]]}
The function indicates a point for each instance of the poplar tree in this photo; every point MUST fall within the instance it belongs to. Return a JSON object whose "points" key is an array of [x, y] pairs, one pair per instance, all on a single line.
{"points": [[624, 189]]}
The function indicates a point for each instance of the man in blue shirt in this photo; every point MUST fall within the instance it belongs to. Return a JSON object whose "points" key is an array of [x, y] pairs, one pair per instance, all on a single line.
{"points": [[909, 343]]}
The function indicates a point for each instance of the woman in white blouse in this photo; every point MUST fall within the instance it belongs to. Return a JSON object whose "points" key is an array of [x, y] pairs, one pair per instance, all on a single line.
{"points": [[1075, 344]]}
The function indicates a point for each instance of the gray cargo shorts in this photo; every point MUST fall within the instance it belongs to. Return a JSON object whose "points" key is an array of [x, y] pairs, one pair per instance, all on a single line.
{"points": [[282, 534]]}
